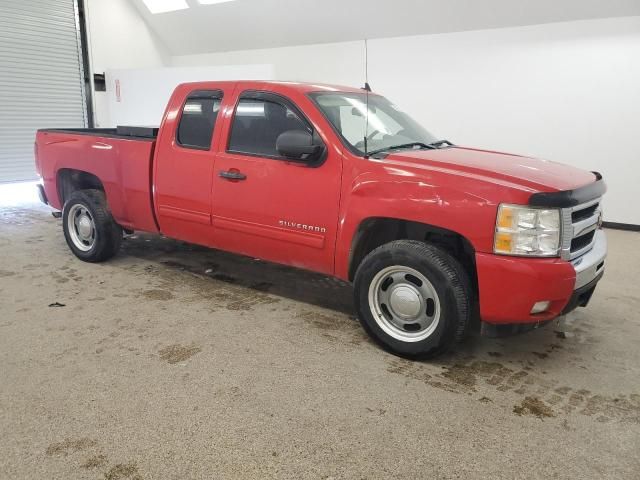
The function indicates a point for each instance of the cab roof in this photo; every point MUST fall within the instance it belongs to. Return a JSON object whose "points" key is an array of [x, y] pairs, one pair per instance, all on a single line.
{"points": [[301, 87]]}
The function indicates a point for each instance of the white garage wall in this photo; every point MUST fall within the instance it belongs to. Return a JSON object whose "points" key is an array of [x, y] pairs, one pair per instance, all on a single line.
{"points": [[339, 63], [568, 92], [119, 38], [145, 92]]}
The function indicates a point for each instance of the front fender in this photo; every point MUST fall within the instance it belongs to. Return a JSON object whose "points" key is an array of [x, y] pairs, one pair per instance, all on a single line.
{"points": [[448, 204]]}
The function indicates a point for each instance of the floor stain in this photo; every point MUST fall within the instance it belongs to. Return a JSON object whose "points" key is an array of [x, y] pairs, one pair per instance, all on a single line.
{"points": [[219, 293], [6, 273], [233, 282], [123, 470], [476, 376], [540, 355], [59, 278], [95, 461], [466, 375], [533, 406], [157, 295], [461, 375], [338, 327], [625, 407], [178, 353], [70, 446]]}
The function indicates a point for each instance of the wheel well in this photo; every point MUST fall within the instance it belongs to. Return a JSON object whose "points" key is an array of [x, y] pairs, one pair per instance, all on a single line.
{"points": [[70, 180], [375, 232]]}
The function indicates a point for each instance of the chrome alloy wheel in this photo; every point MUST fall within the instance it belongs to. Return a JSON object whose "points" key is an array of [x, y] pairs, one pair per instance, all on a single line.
{"points": [[81, 227], [404, 303]]}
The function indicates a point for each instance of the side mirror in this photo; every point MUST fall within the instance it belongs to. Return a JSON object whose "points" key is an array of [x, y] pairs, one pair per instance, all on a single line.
{"points": [[298, 145]]}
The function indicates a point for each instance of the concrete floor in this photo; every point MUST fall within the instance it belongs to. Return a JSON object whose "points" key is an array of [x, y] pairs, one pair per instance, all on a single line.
{"points": [[175, 362]]}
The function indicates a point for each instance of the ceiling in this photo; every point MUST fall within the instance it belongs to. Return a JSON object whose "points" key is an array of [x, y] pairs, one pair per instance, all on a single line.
{"points": [[251, 24]]}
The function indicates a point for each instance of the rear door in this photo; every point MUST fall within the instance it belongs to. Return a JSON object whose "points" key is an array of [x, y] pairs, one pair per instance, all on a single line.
{"points": [[265, 205], [184, 166]]}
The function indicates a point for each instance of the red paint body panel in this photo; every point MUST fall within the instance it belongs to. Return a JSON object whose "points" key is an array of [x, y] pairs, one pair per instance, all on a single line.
{"points": [[308, 217], [530, 173], [509, 286], [247, 215], [123, 166], [183, 177]]}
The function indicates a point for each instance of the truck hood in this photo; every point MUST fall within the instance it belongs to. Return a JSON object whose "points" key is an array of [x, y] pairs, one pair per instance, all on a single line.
{"points": [[525, 172]]}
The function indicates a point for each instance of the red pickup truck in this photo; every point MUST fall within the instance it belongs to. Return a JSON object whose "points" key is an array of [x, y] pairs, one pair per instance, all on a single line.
{"points": [[340, 181]]}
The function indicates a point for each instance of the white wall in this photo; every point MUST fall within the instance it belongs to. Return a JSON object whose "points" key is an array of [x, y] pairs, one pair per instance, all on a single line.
{"points": [[568, 92], [119, 38], [144, 92], [338, 63]]}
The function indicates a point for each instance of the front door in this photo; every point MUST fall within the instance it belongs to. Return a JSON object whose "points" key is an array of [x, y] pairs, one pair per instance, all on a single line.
{"points": [[265, 205]]}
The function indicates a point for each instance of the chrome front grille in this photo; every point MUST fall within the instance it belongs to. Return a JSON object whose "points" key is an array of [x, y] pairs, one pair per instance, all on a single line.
{"points": [[579, 224]]}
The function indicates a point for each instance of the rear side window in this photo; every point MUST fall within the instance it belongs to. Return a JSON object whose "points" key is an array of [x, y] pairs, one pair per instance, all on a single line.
{"points": [[259, 121], [198, 119]]}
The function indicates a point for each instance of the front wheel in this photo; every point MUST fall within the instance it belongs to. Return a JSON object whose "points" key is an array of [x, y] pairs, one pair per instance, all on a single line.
{"points": [[89, 229], [413, 298]]}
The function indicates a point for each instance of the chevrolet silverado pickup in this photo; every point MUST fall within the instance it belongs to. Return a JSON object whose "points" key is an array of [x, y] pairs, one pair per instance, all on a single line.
{"points": [[340, 181]]}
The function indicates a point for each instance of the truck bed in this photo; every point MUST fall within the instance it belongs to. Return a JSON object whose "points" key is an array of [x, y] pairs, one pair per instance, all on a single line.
{"points": [[119, 158]]}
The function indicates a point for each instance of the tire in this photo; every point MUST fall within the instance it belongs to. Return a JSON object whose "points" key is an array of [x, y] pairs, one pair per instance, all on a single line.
{"points": [[413, 298], [89, 229]]}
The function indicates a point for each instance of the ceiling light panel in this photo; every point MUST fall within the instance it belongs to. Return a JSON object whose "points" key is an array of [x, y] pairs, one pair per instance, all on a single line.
{"points": [[213, 2], [163, 6]]}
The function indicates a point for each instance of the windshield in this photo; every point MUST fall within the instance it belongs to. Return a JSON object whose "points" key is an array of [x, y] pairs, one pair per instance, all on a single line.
{"points": [[387, 125]]}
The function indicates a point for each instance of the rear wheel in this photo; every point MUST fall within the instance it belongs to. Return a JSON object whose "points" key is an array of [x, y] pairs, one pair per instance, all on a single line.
{"points": [[89, 229], [413, 298]]}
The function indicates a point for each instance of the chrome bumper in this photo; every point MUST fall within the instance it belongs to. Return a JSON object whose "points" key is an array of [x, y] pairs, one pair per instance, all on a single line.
{"points": [[591, 264]]}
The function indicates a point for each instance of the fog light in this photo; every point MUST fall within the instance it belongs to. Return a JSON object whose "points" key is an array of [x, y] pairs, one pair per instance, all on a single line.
{"points": [[540, 307]]}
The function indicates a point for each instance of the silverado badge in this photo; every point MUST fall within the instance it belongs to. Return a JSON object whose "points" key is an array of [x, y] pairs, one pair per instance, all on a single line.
{"points": [[302, 226]]}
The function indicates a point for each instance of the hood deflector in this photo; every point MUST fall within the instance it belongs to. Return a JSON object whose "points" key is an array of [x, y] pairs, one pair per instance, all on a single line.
{"points": [[570, 198]]}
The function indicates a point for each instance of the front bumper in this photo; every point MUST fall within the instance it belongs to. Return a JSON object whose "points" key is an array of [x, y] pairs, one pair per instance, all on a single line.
{"points": [[589, 270], [591, 264], [510, 286]]}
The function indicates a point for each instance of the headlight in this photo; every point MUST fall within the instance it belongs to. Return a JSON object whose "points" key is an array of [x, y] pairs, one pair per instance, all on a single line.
{"points": [[527, 231]]}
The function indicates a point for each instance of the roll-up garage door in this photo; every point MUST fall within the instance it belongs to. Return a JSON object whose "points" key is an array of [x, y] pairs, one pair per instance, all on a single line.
{"points": [[41, 78]]}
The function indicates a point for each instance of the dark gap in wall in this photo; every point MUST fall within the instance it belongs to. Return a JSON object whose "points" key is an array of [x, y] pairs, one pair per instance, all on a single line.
{"points": [[99, 82], [84, 50]]}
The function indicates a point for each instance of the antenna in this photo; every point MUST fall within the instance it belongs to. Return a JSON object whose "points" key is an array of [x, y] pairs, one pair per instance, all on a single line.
{"points": [[366, 66], [367, 89]]}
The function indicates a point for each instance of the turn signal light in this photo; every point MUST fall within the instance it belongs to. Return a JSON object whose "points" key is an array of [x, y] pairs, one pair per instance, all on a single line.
{"points": [[523, 230]]}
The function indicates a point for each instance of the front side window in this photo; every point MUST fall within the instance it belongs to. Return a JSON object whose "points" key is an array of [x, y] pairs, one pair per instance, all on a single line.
{"points": [[198, 119], [257, 124], [384, 127]]}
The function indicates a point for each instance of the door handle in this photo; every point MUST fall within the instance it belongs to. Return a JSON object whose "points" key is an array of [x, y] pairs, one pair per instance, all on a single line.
{"points": [[232, 175]]}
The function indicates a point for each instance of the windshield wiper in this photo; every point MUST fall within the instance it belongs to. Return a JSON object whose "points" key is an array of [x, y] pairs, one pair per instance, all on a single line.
{"points": [[403, 145], [440, 143]]}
